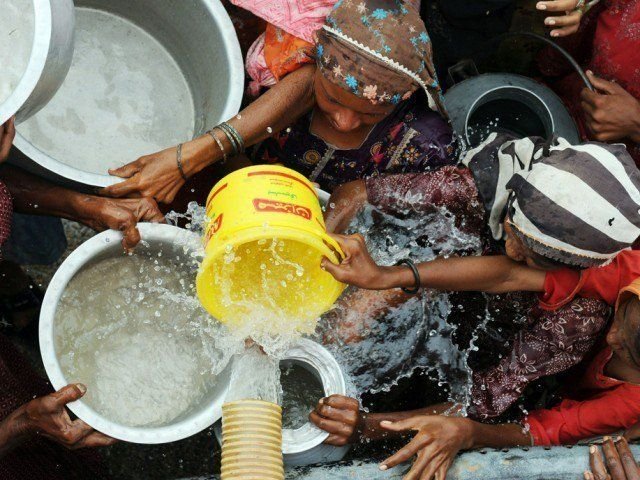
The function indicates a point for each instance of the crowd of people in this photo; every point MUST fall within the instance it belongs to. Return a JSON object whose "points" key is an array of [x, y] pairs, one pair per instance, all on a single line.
{"points": [[348, 94]]}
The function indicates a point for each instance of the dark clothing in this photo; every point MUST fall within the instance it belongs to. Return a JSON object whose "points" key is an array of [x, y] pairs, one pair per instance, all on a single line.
{"points": [[459, 28], [411, 139]]}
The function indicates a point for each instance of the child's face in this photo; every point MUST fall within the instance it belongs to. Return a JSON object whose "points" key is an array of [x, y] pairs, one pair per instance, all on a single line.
{"points": [[623, 334], [515, 249]]}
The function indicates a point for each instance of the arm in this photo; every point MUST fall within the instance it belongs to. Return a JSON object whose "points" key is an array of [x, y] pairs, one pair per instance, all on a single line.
{"points": [[612, 113], [157, 175], [344, 204], [47, 416], [492, 274], [438, 440], [34, 195]]}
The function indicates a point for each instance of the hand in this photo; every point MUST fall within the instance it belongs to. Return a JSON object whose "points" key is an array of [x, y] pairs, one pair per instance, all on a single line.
{"points": [[613, 113], [340, 416], [47, 416], [7, 134], [565, 24], [357, 268], [102, 213], [620, 464], [155, 176], [438, 441]]}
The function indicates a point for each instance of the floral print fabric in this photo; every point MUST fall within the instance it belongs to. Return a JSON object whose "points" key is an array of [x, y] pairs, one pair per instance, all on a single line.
{"points": [[379, 50]]}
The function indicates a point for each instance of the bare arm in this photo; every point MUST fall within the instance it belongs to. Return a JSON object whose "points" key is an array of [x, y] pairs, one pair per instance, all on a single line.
{"points": [[33, 195], [157, 175], [492, 274]]}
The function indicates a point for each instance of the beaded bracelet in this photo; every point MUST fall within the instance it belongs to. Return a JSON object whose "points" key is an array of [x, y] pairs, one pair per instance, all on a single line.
{"points": [[179, 162], [219, 143], [416, 276]]}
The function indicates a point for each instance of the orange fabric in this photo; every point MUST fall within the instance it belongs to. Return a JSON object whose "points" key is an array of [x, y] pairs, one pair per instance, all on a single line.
{"points": [[285, 53], [604, 283]]}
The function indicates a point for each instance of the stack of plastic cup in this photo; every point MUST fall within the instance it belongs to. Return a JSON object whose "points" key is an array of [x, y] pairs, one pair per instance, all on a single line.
{"points": [[252, 440]]}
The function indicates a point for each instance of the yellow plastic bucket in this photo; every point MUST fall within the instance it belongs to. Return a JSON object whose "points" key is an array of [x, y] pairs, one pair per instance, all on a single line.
{"points": [[264, 241]]}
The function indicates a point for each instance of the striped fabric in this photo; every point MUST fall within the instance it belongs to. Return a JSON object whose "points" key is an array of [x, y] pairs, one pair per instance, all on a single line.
{"points": [[579, 205]]}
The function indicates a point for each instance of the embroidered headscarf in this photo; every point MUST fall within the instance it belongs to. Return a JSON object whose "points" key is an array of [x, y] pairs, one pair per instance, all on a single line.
{"points": [[378, 50], [579, 205]]}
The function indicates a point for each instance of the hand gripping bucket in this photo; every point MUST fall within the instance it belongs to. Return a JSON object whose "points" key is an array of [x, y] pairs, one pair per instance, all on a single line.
{"points": [[264, 242]]}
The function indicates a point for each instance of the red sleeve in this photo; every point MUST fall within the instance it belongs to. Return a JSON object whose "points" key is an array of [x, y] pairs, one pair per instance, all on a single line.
{"points": [[606, 282], [603, 283], [560, 287], [570, 421]]}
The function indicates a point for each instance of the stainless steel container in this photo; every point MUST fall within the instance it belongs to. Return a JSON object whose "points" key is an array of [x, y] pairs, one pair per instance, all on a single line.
{"points": [[49, 62], [517, 104], [196, 37], [156, 238], [303, 446]]}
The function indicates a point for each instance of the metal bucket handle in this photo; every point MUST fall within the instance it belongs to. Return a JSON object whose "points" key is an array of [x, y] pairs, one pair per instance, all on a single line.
{"points": [[553, 44]]}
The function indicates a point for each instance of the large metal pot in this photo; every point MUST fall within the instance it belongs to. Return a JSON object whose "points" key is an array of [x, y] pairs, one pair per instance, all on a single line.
{"points": [[49, 62], [195, 37], [156, 238], [517, 104], [303, 446], [509, 103]]}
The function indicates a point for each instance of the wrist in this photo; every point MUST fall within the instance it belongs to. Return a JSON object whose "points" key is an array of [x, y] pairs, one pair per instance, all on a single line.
{"points": [[18, 424], [198, 154], [468, 434]]}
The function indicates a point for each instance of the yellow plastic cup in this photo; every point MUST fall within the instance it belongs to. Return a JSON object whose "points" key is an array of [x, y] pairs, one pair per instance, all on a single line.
{"points": [[252, 440], [264, 241]]}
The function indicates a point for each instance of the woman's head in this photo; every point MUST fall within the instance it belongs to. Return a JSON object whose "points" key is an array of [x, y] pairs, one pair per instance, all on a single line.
{"points": [[377, 52], [570, 205], [347, 112], [624, 334]]}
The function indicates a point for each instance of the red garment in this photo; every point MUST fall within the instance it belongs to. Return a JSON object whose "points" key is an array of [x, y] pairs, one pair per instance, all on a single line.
{"points": [[598, 405], [604, 283], [612, 53], [6, 213]]}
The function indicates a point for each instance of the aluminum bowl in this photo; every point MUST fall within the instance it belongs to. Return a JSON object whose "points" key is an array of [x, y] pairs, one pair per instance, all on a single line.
{"points": [[156, 237], [198, 36], [49, 62]]}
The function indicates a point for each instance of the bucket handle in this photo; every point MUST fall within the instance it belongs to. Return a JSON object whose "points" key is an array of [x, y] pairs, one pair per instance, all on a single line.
{"points": [[576, 66]]}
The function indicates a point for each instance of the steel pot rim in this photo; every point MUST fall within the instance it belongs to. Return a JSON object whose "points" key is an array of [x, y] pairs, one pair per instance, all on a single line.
{"points": [[234, 96], [37, 60], [90, 249]]}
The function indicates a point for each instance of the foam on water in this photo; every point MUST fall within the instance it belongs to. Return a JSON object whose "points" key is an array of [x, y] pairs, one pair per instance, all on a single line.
{"points": [[414, 334], [131, 329], [16, 40], [124, 97]]}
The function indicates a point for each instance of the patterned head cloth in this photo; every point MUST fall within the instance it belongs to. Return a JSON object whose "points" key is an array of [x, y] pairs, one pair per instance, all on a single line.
{"points": [[378, 50], [579, 205]]}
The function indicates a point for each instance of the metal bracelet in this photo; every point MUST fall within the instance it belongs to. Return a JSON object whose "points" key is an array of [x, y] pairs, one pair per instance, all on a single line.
{"points": [[179, 161], [416, 276], [232, 140], [231, 129], [219, 143], [581, 5]]}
